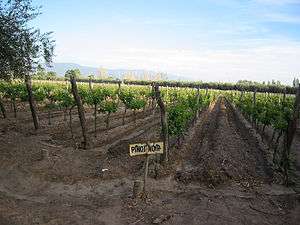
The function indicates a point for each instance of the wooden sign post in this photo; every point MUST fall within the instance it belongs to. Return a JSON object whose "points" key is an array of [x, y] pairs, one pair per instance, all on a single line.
{"points": [[146, 149]]}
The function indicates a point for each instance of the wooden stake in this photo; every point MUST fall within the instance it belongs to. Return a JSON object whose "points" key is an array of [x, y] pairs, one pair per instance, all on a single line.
{"points": [[2, 108], [197, 100], [289, 136], [31, 101], [284, 95], [254, 97], [164, 123], [137, 188], [119, 92], [146, 173], [95, 120], [80, 110], [254, 104], [90, 84]]}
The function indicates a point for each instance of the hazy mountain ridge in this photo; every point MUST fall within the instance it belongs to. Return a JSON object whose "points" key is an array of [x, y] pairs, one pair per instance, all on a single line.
{"points": [[61, 68]]}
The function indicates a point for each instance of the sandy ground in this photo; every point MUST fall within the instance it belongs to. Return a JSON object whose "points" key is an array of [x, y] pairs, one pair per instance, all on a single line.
{"points": [[221, 174]]}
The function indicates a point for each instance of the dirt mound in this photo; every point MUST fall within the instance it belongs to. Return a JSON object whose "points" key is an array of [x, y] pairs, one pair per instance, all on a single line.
{"points": [[209, 177]]}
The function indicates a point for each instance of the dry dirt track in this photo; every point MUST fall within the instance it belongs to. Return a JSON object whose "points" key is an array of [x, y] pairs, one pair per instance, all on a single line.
{"points": [[222, 150], [221, 177]]}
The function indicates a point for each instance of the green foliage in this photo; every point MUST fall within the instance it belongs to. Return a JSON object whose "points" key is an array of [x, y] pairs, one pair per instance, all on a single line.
{"points": [[42, 74], [178, 116], [74, 72], [134, 98], [103, 97], [13, 91], [269, 109], [182, 106], [22, 46], [63, 98], [110, 105]]}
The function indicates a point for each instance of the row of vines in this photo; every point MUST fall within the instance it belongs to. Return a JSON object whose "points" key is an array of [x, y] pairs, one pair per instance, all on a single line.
{"points": [[275, 111], [178, 106], [182, 104]]}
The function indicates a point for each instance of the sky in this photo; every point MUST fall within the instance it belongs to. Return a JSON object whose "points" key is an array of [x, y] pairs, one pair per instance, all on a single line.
{"points": [[209, 40]]}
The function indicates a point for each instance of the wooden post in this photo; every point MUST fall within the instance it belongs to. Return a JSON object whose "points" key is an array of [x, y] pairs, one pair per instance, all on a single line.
{"points": [[253, 105], [167, 94], [146, 173], [289, 136], [153, 103], [284, 95], [119, 92], [164, 122], [254, 98], [241, 96], [197, 100], [31, 101], [14, 107], [90, 84], [80, 110], [2, 108], [95, 120], [153, 97], [137, 188]]}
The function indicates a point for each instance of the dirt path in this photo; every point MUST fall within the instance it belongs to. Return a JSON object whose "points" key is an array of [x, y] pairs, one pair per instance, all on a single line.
{"points": [[222, 177], [224, 152]]}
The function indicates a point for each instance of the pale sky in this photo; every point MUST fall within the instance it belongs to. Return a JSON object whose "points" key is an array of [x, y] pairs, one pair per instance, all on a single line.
{"points": [[209, 40]]}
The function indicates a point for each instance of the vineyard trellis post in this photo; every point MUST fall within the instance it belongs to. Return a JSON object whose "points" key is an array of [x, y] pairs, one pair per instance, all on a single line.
{"points": [[119, 93], [95, 120], [253, 105], [254, 98], [241, 95], [153, 97], [31, 101], [197, 101], [289, 136], [164, 122], [2, 108], [90, 83], [80, 110]]}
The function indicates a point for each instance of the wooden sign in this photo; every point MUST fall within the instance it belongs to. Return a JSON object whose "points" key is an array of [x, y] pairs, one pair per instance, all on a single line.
{"points": [[143, 148]]}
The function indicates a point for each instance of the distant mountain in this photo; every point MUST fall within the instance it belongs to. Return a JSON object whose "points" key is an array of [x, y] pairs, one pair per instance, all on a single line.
{"points": [[61, 68]]}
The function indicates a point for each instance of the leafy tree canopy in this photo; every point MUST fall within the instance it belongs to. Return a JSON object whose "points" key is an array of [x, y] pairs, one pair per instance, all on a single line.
{"points": [[42, 74], [74, 72], [22, 46]]}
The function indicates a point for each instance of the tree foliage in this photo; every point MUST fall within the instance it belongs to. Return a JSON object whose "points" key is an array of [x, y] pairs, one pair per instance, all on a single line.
{"points": [[42, 74], [73, 72], [22, 46]]}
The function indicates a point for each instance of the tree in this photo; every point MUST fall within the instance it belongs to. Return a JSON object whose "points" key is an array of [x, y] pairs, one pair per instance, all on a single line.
{"points": [[91, 76], [40, 73], [22, 47], [74, 72], [295, 82], [51, 75]]}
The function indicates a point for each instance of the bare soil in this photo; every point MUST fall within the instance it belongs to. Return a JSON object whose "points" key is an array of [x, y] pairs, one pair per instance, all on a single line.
{"points": [[219, 175]]}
